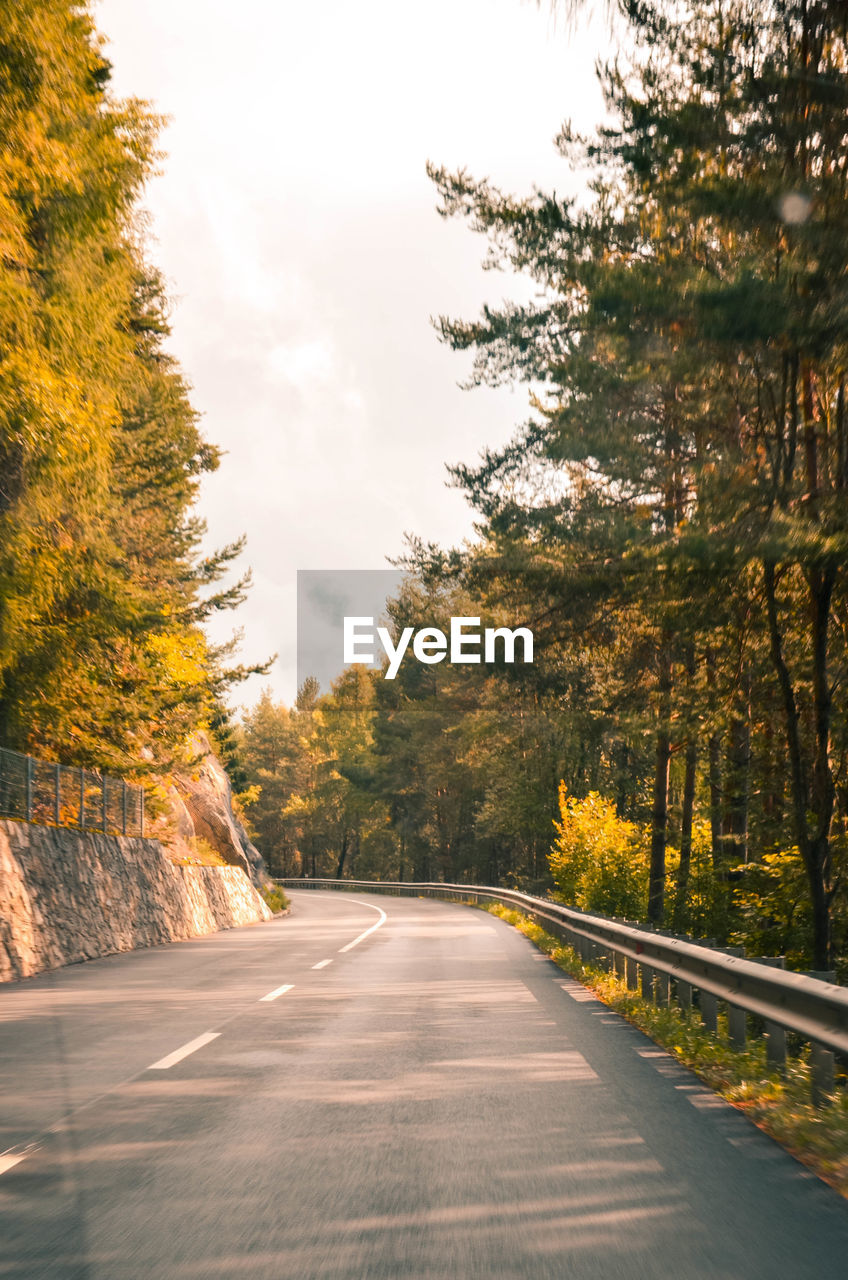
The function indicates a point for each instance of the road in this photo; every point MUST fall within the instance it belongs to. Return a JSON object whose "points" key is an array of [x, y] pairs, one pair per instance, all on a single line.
{"points": [[431, 1099]]}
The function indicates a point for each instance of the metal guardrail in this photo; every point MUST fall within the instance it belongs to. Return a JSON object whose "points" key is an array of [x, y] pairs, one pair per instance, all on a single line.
{"points": [[666, 967], [63, 796]]}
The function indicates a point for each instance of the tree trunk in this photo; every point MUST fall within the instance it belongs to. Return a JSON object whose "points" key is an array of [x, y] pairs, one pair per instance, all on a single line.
{"points": [[659, 829], [841, 442], [659, 808], [716, 833], [812, 790], [342, 856], [818, 875], [735, 841], [686, 819], [714, 771]]}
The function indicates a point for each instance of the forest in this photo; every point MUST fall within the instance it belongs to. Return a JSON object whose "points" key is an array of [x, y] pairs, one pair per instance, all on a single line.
{"points": [[104, 586], [670, 520]]}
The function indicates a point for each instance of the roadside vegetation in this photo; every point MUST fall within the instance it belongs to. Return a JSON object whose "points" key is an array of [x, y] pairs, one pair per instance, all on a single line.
{"points": [[197, 852], [104, 583], [670, 519], [275, 897]]}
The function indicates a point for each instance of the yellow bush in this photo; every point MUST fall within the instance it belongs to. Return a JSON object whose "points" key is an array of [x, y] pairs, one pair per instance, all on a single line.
{"points": [[599, 861]]}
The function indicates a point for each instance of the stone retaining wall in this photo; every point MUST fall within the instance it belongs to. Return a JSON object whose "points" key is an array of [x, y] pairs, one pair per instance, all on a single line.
{"points": [[67, 896]]}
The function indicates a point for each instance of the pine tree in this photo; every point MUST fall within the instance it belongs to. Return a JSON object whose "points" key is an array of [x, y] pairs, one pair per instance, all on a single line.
{"points": [[102, 584], [690, 337]]}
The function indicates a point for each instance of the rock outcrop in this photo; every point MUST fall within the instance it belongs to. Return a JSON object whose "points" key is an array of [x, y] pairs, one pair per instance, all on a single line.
{"points": [[200, 807], [66, 896]]}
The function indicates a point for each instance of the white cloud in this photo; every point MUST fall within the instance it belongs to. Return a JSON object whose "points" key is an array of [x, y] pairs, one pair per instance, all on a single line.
{"points": [[302, 364], [296, 224]]}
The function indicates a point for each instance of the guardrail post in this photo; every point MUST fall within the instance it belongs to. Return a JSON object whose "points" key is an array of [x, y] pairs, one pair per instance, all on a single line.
{"points": [[709, 1010], [684, 993], [775, 1045], [662, 988], [737, 1026], [822, 1061], [630, 974], [775, 1035], [822, 1067], [618, 963], [647, 982], [30, 770]]}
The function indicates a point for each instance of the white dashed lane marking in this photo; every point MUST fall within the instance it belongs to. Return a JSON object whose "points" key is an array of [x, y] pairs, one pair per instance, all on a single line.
{"points": [[177, 1056], [278, 991], [8, 1161]]}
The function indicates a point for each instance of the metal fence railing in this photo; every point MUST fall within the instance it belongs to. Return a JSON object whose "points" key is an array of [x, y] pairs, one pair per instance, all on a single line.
{"points": [[63, 796], [759, 995]]}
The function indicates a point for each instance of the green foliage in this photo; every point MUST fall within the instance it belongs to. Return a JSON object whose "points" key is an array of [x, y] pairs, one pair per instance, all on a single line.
{"points": [[672, 521], [102, 584], [674, 516], [201, 854], [773, 907], [312, 801], [275, 897], [599, 861], [705, 907]]}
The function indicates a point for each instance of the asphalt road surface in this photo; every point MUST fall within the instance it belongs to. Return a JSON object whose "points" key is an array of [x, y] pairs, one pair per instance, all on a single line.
{"points": [[374, 1087]]}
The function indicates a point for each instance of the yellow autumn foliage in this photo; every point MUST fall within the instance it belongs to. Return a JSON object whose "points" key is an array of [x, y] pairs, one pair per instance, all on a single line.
{"points": [[599, 861], [181, 656]]}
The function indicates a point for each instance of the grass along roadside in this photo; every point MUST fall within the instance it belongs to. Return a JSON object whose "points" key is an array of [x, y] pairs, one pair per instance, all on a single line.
{"points": [[275, 897], [778, 1104], [196, 852]]}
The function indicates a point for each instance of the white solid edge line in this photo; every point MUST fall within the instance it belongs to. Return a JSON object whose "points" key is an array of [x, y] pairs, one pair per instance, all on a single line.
{"points": [[9, 1162], [179, 1054], [322, 964], [278, 991], [362, 936]]}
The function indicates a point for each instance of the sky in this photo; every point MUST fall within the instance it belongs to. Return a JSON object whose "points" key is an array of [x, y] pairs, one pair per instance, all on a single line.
{"points": [[297, 229]]}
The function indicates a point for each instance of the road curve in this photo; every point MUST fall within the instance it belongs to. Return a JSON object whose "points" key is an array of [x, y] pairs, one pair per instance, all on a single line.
{"points": [[373, 1087]]}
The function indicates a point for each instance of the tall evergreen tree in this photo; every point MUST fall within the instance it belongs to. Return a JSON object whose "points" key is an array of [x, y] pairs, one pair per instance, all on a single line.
{"points": [[691, 340], [102, 584]]}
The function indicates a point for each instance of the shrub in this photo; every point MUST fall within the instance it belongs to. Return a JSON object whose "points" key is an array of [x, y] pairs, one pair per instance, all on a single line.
{"points": [[599, 861], [275, 897]]}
